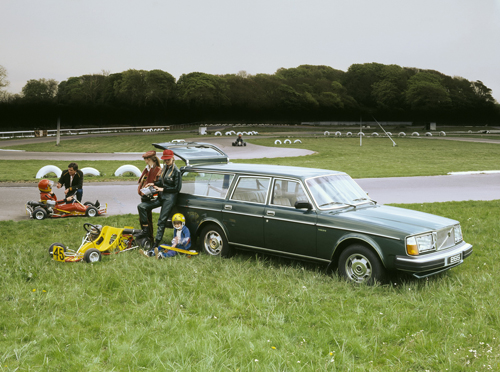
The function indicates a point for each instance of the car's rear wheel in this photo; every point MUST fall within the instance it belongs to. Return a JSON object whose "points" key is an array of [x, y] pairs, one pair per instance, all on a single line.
{"points": [[92, 255], [51, 248], [360, 264], [214, 242]]}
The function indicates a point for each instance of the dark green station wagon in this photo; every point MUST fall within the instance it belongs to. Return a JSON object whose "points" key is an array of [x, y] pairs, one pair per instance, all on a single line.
{"points": [[308, 214]]}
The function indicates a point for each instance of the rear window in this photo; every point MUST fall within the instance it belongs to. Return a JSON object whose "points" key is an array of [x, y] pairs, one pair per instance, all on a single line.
{"points": [[214, 185]]}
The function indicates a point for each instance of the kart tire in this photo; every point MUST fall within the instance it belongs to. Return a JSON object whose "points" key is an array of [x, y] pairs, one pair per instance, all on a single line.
{"points": [[234, 144], [144, 243], [51, 248], [92, 255], [88, 204], [245, 144], [91, 212], [39, 213], [214, 242]]}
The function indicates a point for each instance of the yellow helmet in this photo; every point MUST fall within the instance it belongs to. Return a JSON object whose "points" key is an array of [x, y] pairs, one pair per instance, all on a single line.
{"points": [[178, 217]]}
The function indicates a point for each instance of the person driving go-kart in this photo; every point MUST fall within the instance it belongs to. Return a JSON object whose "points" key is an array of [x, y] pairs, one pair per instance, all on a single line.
{"points": [[45, 187], [239, 141]]}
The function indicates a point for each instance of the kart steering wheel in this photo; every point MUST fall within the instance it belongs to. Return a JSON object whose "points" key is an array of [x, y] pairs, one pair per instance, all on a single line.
{"points": [[88, 227]]}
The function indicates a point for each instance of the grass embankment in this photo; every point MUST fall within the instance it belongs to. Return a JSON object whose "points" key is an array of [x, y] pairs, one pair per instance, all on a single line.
{"points": [[247, 313], [375, 158]]}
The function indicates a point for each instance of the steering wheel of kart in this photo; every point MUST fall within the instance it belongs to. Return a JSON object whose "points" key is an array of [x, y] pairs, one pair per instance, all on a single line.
{"points": [[88, 227]]}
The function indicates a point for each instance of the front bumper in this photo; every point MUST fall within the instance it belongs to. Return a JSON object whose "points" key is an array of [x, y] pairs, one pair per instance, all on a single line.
{"points": [[433, 263]]}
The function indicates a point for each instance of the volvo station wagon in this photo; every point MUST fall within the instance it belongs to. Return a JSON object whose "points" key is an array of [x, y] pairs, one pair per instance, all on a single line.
{"points": [[308, 214]]}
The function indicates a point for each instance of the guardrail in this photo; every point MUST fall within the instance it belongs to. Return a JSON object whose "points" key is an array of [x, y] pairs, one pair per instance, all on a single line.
{"points": [[74, 132]]}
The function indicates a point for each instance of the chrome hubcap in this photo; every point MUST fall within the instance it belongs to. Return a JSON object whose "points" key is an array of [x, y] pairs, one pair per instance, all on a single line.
{"points": [[358, 268], [213, 243]]}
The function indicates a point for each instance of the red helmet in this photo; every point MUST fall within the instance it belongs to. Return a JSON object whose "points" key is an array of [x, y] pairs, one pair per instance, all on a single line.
{"points": [[45, 185]]}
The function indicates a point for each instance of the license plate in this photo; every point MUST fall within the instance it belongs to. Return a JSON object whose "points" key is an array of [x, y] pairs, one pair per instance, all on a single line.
{"points": [[454, 259]]}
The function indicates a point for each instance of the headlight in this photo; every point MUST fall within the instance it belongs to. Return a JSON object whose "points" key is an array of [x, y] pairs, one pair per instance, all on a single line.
{"points": [[458, 234], [420, 244]]}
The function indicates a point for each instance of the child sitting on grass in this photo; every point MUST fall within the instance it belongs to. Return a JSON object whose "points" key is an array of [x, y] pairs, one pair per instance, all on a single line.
{"points": [[181, 240]]}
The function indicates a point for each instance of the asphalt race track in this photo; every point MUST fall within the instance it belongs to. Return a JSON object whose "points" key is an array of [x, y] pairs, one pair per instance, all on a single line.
{"points": [[122, 197]]}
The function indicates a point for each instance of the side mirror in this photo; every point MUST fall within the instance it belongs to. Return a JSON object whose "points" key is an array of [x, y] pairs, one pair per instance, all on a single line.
{"points": [[303, 205]]}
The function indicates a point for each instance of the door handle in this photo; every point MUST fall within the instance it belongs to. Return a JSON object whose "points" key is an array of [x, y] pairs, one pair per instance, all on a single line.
{"points": [[270, 213], [228, 207]]}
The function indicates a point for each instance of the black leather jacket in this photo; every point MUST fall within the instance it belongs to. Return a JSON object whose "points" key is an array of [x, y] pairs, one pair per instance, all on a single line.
{"points": [[170, 180]]}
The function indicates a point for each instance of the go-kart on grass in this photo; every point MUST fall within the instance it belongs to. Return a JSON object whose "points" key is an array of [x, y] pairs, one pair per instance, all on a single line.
{"points": [[104, 240]]}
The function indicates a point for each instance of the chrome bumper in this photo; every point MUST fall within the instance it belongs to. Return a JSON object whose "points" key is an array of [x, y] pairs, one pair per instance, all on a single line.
{"points": [[433, 263]]}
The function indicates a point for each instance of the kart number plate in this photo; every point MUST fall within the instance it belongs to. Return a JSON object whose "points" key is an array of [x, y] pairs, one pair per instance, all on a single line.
{"points": [[58, 253], [454, 259]]}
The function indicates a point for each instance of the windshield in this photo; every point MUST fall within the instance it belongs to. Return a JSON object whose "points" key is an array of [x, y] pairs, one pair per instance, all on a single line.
{"points": [[335, 191]]}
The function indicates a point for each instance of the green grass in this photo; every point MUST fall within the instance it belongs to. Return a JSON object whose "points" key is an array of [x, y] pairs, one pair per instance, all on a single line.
{"points": [[375, 158], [247, 313], [378, 158]]}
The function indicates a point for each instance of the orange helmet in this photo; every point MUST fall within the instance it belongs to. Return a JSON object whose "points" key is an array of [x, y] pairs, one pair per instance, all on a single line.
{"points": [[45, 185]]}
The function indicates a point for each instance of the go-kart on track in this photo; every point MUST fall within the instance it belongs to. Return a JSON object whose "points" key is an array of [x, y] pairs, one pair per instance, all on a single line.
{"points": [[122, 197]]}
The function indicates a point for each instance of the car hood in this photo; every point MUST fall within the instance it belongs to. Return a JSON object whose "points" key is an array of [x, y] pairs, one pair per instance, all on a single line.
{"points": [[392, 219]]}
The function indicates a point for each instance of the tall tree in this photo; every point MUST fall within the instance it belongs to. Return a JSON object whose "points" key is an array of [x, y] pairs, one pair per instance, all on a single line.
{"points": [[40, 90]]}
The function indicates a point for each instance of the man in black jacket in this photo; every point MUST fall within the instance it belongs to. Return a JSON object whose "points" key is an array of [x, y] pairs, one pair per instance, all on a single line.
{"points": [[72, 180], [168, 186]]}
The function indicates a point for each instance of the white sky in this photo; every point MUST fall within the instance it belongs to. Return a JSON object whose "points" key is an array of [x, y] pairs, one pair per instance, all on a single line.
{"points": [[57, 39]]}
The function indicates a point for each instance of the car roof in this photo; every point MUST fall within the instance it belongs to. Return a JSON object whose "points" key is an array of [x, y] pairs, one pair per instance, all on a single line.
{"points": [[263, 169]]}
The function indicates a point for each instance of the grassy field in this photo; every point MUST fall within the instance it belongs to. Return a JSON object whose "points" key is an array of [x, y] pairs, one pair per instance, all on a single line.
{"points": [[375, 158], [247, 313]]}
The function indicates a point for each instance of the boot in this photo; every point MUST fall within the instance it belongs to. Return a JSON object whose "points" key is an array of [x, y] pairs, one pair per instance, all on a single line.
{"points": [[157, 243], [144, 233]]}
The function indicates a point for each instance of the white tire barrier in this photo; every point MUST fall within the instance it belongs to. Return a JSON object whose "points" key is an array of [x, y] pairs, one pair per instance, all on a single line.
{"points": [[442, 134], [228, 133], [348, 134], [178, 140], [128, 168], [338, 134], [277, 142], [327, 133], [415, 134], [374, 134], [297, 141], [389, 133], [287, 141], [402, 134], [49, 169], [428, 134], [218, 133], [91, 171], [239, 133], [469, 131], [361, 134]]}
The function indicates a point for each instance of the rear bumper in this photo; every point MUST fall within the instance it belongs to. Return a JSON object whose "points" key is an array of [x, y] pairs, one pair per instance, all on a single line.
{"points": [[434, 263]]}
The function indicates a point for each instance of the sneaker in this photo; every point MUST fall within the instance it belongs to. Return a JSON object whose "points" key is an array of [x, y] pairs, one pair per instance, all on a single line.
{"points": [[144, 253]]}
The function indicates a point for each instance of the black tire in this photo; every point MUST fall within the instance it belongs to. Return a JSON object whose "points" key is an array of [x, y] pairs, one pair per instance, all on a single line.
{"points": [[91, 212], [360, 264], [88, 204], [39, 214], [214, 242], [92, 255], [51, 248], [245, 144], [144, 243]]}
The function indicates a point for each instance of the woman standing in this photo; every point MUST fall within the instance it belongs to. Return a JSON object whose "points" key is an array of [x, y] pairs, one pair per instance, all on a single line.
{"points": [[150, 174], [168, 186]]}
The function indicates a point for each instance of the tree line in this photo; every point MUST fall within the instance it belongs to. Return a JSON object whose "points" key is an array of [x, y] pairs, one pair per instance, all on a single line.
{"points": [[291, 95]]}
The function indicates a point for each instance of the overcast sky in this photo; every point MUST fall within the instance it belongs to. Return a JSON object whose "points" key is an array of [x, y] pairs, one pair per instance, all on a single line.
{"points": [[58, 39]]}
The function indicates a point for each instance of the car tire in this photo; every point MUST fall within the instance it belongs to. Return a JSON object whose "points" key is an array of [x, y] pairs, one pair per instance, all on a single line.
{"points": [[214, 242], [51, 248], [92, 255], [39, 214], [91, 212], [360, 264]]}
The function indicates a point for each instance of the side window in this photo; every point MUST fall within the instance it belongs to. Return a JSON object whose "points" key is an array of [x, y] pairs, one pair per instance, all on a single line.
{"points": [[251, 189], [286, 193], [214, 185]]}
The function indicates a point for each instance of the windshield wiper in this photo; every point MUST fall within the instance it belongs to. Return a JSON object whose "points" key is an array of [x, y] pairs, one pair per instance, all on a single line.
{"points": [[336, 202], [360, 199]]}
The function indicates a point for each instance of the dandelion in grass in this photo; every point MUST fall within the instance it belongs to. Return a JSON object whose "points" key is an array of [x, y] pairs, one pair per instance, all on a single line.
{"points": [[273, 347], [34, 290]]}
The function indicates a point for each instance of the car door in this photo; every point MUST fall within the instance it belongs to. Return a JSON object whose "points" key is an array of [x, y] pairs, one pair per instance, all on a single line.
{"points": [[243, 212], [287, 229]]}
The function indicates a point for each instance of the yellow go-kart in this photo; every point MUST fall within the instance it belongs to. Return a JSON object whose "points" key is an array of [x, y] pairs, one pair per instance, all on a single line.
{"points": [[98, 241]]}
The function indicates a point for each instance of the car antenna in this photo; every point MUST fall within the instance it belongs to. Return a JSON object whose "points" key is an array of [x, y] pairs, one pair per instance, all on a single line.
{"points": [[387, 134]]}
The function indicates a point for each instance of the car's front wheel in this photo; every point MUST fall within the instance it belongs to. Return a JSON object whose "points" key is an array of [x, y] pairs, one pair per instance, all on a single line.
{"points": [[214, 241], [360, 264]]}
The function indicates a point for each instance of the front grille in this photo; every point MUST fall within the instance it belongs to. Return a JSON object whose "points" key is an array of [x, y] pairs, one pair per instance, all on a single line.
{"points": [[445, 238]]}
